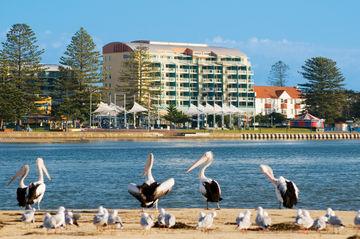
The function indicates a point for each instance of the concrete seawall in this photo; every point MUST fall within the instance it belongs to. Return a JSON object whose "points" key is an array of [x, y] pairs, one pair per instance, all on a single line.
{"points": [[153, 135]]}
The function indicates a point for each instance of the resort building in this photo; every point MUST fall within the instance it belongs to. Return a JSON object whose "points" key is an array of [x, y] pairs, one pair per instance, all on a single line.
{"points": [[284, 100], [48, 77], [186, 74]]}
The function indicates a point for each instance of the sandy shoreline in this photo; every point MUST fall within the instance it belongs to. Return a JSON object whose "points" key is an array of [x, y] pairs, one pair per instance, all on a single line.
{"points": [[10, 227]]}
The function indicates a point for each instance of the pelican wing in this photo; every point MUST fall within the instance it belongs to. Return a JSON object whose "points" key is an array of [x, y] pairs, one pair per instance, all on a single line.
{"points": [[35, 191], [164, 188], [289, 193], [135, 191], [213, 191]]}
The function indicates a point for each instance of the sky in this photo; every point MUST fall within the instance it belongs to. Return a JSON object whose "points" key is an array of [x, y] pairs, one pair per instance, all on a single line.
{"points": [[265, 30]]}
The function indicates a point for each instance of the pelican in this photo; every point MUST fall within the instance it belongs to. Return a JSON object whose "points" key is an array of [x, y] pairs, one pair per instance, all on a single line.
{"points": [[262, 219], [320, 223], [150, 191], [21, 192], [243, 221], [146, 221], [286, 191], [115, 220], [166, 219], [209, 188], [206, 220]]}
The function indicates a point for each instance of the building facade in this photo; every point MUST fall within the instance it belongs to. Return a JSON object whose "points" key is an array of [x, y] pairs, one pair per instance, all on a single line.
{"points": [[187, 73], [284, 100]]}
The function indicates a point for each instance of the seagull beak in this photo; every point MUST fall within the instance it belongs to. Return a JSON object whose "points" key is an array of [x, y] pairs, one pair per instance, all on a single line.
{"points": [[200, 161]]}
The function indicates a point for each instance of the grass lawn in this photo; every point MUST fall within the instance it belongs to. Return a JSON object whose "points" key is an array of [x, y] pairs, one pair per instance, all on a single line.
{"points": [[257, 130]]}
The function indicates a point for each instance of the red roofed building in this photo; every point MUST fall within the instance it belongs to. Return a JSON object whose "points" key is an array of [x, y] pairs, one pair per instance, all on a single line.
{"points": [[284, 100]]}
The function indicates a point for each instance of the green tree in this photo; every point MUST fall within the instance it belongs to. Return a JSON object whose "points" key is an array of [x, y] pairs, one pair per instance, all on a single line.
{"points": [[174, 116], [19, 67], [323, 90], [139, 76], [80, 77], [278, 74]]}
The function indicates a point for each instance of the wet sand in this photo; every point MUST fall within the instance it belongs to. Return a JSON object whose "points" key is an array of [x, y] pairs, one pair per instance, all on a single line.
{"points": [[224, 226]]}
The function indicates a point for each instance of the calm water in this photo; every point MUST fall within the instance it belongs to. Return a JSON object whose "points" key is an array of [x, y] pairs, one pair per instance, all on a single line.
{"points": [[86, 175]]}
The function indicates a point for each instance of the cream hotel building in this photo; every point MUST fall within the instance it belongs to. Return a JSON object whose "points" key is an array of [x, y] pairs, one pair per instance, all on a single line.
{"points": [[188, 73]]}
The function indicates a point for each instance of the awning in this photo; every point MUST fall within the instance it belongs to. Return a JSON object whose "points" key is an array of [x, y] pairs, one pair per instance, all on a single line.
{"points": [[137, 108]]}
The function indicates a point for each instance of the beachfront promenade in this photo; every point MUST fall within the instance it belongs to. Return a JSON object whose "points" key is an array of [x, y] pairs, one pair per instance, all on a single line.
{"points": [[169, 134]]}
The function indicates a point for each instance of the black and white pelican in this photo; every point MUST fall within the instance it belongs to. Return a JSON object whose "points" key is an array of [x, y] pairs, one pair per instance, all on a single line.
{"points": [[150, 191], [35, 191], [286, 191], [208, 187]]}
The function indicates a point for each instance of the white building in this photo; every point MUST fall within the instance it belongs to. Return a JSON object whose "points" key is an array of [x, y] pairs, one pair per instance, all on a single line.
{"points": [[284, 100]]}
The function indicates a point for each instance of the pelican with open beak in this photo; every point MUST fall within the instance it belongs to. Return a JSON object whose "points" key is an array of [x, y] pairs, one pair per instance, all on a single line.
{"points": [[21, 191], [209, 188], [150, 191]]}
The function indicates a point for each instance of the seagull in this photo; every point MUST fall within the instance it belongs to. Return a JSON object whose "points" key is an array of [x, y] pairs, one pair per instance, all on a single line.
{"points": [[320, 223], [206, 221], [286, 191], [243, 221], [262, 219], [49, 222], [150, 191], [209, 188], [71, 218], [305, 220], [115, 220], [166, 219], [34, 192], [59, 218], [101, 218], [299, 215], [357, 219], [333, 220], [146, 221], [28, 216]]}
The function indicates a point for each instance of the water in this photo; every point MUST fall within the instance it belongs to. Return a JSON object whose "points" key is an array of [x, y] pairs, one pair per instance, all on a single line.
{"points": [[86, 175]]}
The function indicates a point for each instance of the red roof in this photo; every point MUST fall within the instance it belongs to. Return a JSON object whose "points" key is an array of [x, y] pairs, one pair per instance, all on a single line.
{"points": [[276, 91]]}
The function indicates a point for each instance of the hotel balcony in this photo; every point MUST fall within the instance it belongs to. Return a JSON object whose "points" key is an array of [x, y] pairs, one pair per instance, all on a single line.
{"points": [[183, 88], [231, 81], [169, 88], [232, 90]]}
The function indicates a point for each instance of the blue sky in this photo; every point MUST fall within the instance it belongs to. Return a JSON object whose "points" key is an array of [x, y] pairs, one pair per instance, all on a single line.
{"points": [[265, 30]]}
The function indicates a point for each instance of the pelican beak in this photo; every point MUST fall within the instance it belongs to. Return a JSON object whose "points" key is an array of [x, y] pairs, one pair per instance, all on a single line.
{"points": [[11, 180], [206, 157], [21, 172], [46, 172], [149, 164]]}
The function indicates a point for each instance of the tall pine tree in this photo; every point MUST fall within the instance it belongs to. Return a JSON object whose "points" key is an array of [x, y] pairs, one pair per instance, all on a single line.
{"points": [[323, 90], [81, 77], [19, 68], [278, 74]]}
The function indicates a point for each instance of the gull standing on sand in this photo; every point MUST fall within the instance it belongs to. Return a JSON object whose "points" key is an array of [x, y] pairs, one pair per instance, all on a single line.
{"points": [[71, 218], [305, 221], [209, 188], [286, 191], [206, 221], [150, 191], [262, 219], [28, 216], [146, 221], [35, 191], [357, 219], [59, 218], [299, 214], [333, 220], [101, 218], [320, 223], [115, 220], [243, 221], [49, 222], [166, 219]]}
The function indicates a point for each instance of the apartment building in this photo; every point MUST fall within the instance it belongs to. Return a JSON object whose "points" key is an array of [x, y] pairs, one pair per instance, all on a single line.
{"points": [[284, 100], [187, 73]]}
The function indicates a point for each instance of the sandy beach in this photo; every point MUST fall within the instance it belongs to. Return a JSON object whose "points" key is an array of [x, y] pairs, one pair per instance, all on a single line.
{"points": [[283, 227]]}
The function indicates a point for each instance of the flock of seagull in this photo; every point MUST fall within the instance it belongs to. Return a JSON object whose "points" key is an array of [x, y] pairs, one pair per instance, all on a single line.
{"points": [[149, 193]]}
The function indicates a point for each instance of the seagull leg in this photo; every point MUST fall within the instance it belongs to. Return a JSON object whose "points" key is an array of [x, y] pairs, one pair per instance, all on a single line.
{"points": [[218, 206], [207, 205], [279, 205]]}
